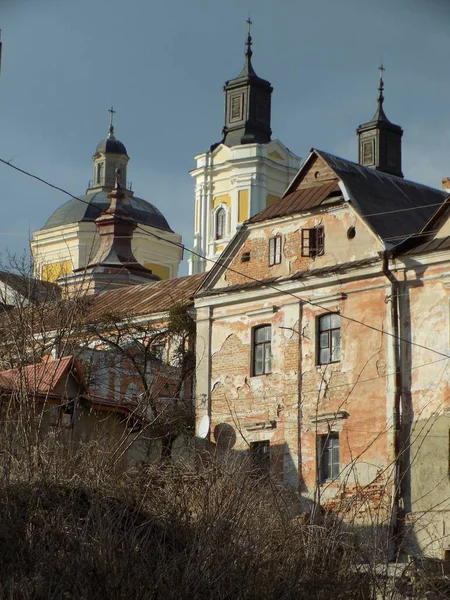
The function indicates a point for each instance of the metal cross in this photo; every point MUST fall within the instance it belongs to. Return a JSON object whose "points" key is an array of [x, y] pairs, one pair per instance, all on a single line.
{"points": [[113, 112], [382, 70], [250, 23]]}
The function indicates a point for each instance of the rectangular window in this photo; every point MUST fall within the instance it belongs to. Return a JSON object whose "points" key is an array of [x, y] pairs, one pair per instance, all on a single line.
{"points": [[236, 108], [260, 457], [262, 350], [328, 456], [329, 339], [368, 153], [313, 242], [275, 251]]}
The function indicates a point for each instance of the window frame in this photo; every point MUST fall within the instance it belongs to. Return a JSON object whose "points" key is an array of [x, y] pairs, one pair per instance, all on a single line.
{"points": [[331, 345], [219, 233], [266, 345], [275, 250], [313, 242], [328, 457]]}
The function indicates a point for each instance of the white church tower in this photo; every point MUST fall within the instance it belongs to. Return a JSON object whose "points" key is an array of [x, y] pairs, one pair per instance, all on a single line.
{"points": [[244, 173]]}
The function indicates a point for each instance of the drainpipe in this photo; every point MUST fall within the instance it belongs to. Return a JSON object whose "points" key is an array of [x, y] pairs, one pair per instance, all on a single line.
{"points": [[396, 411]]}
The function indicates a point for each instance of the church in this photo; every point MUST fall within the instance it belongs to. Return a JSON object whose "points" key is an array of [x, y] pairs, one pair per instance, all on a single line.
{"points": [[236, 178]]}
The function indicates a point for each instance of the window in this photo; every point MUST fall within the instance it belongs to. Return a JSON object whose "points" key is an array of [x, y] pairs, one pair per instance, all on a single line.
{"points": [[275, 250], [260, 457], [313, 242], [328, 456], [329, 339], [368, 153], [99, 173], [262, 350], [236, 108], [220, 223], [245, 257]]}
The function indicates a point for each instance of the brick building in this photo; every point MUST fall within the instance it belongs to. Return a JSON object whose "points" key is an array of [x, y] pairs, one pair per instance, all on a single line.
{"points": [[323, 341]]}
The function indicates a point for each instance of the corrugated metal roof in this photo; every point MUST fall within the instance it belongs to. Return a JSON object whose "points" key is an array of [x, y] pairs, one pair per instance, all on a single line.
{"points": [[430, 245], [297, 201], [41, 378], [146, 298]]}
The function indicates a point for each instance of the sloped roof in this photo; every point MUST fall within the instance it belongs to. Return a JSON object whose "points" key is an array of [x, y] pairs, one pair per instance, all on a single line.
{"points": [[145, 298], [39, 378], [299, 200], [34, 290], [395, 208]]}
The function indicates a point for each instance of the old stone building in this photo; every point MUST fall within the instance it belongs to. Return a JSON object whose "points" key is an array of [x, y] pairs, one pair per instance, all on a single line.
{"points": [[323, 342]]}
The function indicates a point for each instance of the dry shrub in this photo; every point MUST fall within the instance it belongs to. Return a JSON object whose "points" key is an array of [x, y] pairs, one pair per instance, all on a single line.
{"points": [[213, 532]]}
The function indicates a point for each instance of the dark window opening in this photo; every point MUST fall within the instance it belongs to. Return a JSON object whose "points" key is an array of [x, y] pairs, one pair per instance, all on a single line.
{"points": [[220, 224], [313, 242], [262, 350], [328, 456], [260, 457], [245, 257], [275, 251], [329, 339]]}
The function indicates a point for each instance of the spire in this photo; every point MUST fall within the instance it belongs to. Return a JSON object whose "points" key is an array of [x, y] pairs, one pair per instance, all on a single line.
{"points": [[380, 115], [111, 125], [247, 104], [380, 140]]}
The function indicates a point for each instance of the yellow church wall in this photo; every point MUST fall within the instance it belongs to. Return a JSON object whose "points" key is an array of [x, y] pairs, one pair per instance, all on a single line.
{"points": [[270, 199], [223, 199], [243, 204], [163, 272], [274, 154], [51, 271]]}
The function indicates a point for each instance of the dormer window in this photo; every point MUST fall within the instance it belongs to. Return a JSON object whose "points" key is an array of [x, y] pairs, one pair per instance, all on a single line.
{"points": [[220, 224]]}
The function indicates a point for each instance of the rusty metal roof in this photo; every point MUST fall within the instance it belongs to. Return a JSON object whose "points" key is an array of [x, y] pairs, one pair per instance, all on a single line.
{"points": [[38, 378], [299, 200], [146, 298]]}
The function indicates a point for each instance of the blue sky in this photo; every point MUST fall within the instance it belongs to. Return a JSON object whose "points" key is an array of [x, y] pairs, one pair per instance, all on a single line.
{"points": [[163, 64]]}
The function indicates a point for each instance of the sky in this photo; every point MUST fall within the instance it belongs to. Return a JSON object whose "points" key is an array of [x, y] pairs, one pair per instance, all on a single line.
{"points": [[163, 65]]}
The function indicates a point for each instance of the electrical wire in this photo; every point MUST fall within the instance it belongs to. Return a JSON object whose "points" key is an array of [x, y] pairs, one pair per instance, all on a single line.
{"points": [[231, 269]]}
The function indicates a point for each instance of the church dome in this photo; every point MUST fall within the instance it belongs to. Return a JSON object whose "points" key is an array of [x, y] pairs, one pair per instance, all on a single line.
{"points": [[90, 206], [111, 146]]}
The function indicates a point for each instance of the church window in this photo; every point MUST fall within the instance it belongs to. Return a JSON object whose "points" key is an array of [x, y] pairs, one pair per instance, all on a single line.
{"points": [[220, 224], [313, 242], [236, 108], [368, 153], [100, 167]]}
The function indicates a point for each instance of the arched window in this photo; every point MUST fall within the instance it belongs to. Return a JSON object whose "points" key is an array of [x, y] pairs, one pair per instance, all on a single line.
{"points": [[220, 223]]}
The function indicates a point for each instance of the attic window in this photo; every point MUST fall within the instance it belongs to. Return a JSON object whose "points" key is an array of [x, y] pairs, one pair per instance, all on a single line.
{"points": [[313, 242], [245, 257]]}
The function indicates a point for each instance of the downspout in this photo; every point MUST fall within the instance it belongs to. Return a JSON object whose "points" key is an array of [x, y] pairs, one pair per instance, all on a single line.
{"points": [[300, 402], [394, 528]]}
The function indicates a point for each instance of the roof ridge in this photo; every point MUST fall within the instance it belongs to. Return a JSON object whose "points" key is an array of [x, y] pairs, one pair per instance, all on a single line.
{"points": [[382, 174]]}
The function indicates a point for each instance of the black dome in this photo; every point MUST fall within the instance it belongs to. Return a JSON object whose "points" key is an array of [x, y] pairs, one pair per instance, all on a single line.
{"points": [[111, 146], [91, 206]]}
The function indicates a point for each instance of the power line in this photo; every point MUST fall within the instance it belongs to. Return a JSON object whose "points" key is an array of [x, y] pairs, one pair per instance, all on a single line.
{"points": [[231, 269]]}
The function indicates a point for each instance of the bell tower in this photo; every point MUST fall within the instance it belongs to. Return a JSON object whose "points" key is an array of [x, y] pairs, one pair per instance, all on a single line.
{"points": [[243, 173], [380, 141], [247, 104]]}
